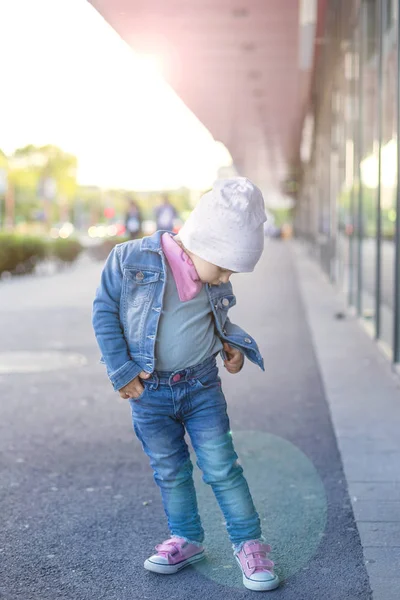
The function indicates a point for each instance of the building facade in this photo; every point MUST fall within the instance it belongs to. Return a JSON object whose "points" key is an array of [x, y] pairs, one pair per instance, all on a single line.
{"points": [[349, 205]]}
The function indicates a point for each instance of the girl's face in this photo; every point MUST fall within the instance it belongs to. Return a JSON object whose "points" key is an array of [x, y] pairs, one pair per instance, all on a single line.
{"points": [[207, 272], [210, 273]]}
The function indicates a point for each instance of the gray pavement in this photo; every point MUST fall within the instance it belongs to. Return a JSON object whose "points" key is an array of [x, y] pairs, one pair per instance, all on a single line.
{"points": [[79, 508], [364, 399]]}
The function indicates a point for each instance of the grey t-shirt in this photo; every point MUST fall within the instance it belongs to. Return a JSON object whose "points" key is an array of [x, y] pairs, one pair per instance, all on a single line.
{"points": [[186, 332]]}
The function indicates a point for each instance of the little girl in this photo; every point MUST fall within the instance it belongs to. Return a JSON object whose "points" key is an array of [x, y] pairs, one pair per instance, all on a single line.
{"points": [[161, 317]]}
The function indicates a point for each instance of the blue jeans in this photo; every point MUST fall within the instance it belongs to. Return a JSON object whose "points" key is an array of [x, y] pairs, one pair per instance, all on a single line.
{"points": [[193, 399]]}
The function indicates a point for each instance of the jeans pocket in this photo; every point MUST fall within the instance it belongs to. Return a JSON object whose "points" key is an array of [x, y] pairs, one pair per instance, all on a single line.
{"points": [[141, 395], [209, 379]]}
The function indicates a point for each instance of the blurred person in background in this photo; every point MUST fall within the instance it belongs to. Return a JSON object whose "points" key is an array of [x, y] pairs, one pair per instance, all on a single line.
{"points": [[133, 220], [165, 215], [270, 228]]}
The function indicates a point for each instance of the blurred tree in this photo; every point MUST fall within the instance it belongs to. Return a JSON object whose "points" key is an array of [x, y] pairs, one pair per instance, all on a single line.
{"points": [[29, 167], [3, 184], [90, 205], [180, 199]]}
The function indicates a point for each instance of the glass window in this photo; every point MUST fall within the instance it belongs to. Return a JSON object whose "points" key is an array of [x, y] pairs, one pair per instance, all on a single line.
{"points": [[371, 29], [345, 198], [388, 14], [369, 157], [388, 174]]}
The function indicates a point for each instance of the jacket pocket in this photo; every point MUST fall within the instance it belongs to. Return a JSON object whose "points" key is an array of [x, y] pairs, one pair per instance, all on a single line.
{"points": [[139, 285]]}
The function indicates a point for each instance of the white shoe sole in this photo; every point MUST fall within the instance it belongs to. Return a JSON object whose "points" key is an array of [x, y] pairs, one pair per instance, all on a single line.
{"points": [[169, 569], [259, 586]]}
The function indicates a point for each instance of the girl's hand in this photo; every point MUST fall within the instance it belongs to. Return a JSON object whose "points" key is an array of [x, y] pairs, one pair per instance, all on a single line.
{"points": [[134, 388], [235, 359]]}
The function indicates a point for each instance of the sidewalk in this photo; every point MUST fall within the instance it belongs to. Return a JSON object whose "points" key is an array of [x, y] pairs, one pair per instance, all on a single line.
{"points": [[363, 394], [79, 503]]}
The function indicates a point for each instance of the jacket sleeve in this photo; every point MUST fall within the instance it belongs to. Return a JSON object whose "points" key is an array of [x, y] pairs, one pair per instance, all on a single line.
{"points": [[237, 337], [121, 369]]}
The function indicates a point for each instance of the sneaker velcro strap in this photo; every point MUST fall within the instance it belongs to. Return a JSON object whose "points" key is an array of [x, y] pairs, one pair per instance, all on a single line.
{"points": [[256, 547], [172, 548], [260, 562]]}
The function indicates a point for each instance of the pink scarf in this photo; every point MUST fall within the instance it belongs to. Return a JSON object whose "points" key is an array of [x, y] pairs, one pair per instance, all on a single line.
{"points": [[186, 278]]}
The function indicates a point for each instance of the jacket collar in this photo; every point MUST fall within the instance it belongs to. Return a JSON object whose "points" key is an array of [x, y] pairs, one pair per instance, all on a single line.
{"points": [[152, 243]]}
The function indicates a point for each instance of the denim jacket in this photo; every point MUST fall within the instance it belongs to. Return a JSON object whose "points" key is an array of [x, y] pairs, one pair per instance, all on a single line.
{"points": [[128, 305]]}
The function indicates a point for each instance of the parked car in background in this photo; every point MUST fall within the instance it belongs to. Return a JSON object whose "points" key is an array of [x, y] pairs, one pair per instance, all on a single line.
{"points": [[62, 230], [104, 230]]}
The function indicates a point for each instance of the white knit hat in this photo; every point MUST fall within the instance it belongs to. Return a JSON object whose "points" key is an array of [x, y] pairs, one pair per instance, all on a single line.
{"points": [[226, 226]]}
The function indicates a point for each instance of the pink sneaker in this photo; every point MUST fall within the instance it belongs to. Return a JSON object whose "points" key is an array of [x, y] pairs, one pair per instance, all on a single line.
{"points": [[257, 569], [174, 554]]}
